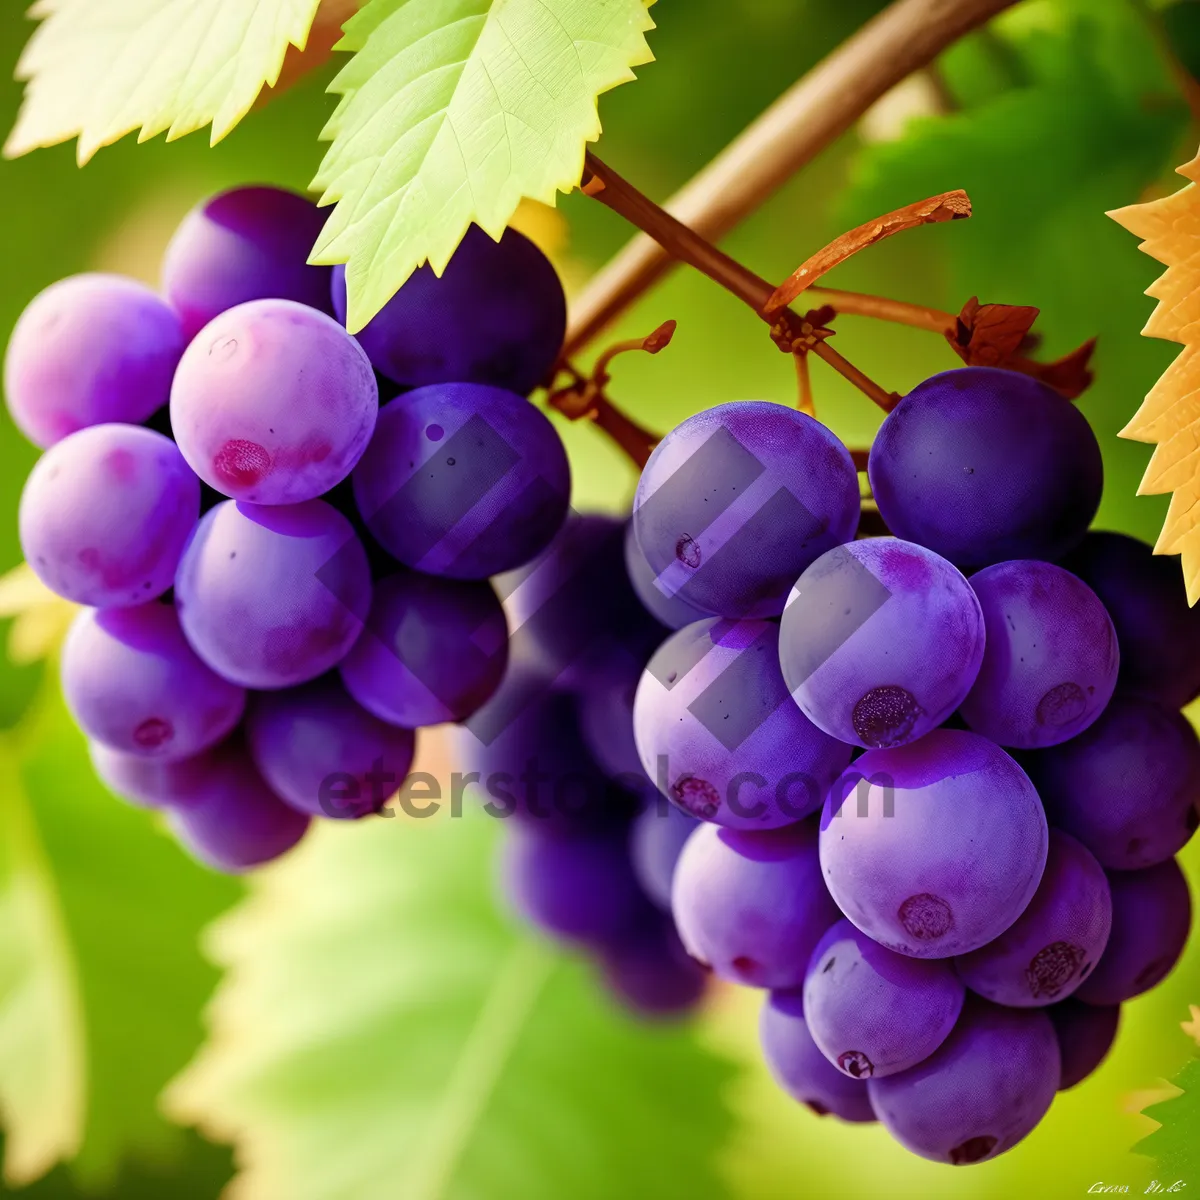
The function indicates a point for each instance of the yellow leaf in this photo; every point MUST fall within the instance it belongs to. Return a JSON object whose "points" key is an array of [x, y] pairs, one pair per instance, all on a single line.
{"points": [[1170, 415], [99, 69]]}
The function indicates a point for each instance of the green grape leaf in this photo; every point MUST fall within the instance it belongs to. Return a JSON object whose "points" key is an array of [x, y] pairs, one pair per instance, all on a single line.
{"points": [[101, 979], [451, 111], [99, 69], [383, 1031], [1175, 1146]]}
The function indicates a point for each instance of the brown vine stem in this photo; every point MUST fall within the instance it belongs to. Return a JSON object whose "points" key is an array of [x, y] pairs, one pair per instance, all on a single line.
{"points": [[899, 312], [794, 130]]}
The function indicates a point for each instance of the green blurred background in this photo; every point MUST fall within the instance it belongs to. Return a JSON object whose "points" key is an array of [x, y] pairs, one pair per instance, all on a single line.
{"points": [[1061, 111]]}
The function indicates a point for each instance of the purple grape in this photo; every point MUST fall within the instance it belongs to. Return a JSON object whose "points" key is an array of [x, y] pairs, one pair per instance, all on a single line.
{"points": [[737, 501], [106, 513], [496, 315], [229, 818], [1126, 787], [656, 842], [983, 465], [325, 755], [606, 723], [673, 612], [1050, 664], [798, 1066], [577, 887], [251, 243], [719, 734], [880, 642], [935, 848], [752, 905], [1086, 1033], [1053, 945], [1144, 593], [648, 969], [874, 1012], [433, 650], [984, 1090], [90, 350], [274, 403], [271, 597], [463, 480], [1152, 916], [147, 782], [134, 684]]}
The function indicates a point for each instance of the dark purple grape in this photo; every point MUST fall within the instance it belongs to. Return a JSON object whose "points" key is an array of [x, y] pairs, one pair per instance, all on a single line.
{"points": [[106, 513], [751, 905], [464, 480], [324, 754], [935, 848], [134, 684], [271, 596], [1152, 916], [251, 243], [1144, 593], [1053, 945], [606, 723], [880, 642], [656, 842], [433, 650], [1086, 1033], [737, 501], [874, 1012], [984, 1090], [719, 734], [1050, 665], [648, 969], [983, 465], [274, 404], [496, 315], [1127, 787], [89, 350], [800, 1069]]}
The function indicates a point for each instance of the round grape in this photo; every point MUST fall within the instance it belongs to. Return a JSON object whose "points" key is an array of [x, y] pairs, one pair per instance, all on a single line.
{"points": [[89, 350], [147, 782], [880, 642], [106, 513], [673, 612], [271, 597], [983, 465], [648, 969], [1086, 1033], [656, 842], [1050, 664], [935, 848]]}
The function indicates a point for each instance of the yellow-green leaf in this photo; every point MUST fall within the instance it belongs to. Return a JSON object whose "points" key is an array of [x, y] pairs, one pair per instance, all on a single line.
{"points": [[99, 69], [451, 112]]}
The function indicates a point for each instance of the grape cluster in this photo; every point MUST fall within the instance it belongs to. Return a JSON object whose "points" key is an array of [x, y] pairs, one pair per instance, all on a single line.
{"points": [[941, 776]]}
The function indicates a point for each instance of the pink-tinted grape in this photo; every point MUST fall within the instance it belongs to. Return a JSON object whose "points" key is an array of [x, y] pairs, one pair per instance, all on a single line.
{"points": [[874, 1012], [89, 350], [1152, 916], [984, 1090], [274, 403], [880, 642], [273, 596], [1050, 665], [719, 734], [433, 650], [134, 684], [1056, 942], [737, 501], [1086, 1033], [250, 243], [1144, 593], [648, 969], [106, 513], [983, 465], [935, 848], [463, 480], [1127, 787], [751, 905], [324, 754], [656, 842], [228, 818], [496, 315], [800, 1069]]}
